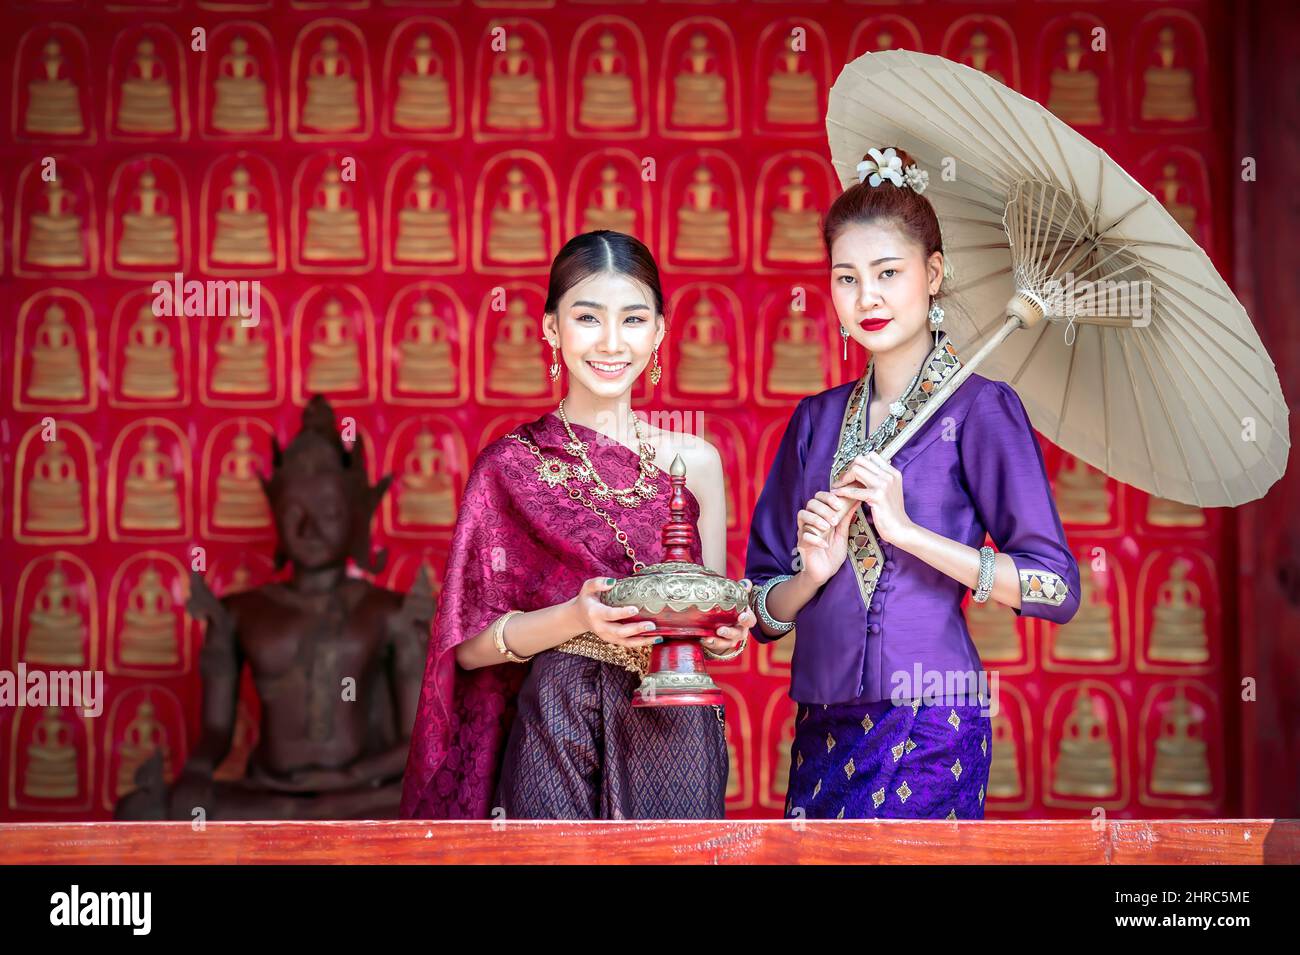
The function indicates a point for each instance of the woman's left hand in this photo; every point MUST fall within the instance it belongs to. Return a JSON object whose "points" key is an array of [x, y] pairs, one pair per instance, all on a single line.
{"points": [[877, 483]]}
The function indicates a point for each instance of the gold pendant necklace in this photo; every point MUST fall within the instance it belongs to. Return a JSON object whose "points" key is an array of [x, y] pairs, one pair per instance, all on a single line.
{"points": [[643, 488]]}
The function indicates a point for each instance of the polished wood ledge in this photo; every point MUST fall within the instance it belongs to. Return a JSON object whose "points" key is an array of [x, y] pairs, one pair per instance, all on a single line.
{"points": [[1069, 842]]}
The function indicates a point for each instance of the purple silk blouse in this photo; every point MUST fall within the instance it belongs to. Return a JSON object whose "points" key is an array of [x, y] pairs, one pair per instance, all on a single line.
{"points": [[974, 467]]}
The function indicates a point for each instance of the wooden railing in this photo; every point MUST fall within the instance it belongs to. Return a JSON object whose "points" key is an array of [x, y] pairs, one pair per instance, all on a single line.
{"points": [[1159, 841]]}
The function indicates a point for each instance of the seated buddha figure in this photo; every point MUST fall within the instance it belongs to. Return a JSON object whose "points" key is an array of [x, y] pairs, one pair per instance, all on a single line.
{"points": [[424, 224], [55, 238], [149, 623], [1178, 619], [705, 365], [703, 221], [993, 631], [1171, 191], [333, 224], [332, 103], [240, 105], [319, 753], [699, 90], [607, 96], [1091, 634], [795, 223], [335, 362], [150, 367], [243, 231], [148, 231], [1073, 94], [1163, 512], [1085, 759], [1182, 766], [781, 772], [53, 101], [56, 359], [243, 364], [1005, 780], [144, 737], [426, 495], [54, 493], [146, 105], [56, 631], [517, 367], [978, 53], [240, 501], [151, 497], [423, 100], [425, 359], [515, 232], [792, 90], [797, 355], [1170, 90], [51, 771], [608, 207], [514, 98], [1081, 494]]}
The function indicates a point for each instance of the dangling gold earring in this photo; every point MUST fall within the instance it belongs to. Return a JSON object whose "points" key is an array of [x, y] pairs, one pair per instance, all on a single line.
{"points": [[555, 364], [655, 371]]}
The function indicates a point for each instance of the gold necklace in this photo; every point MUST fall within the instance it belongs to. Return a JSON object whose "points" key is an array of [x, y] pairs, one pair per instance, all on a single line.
{"points": [[642, 489], [557, 473]]}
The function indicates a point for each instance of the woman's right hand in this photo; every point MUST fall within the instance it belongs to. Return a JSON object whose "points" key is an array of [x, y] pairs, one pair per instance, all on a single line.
{"points": [[823, 534], [603, 620]]}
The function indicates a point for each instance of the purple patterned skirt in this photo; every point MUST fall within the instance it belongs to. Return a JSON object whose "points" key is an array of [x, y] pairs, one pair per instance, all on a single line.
{"points": [[579, 750], [881, 761]]}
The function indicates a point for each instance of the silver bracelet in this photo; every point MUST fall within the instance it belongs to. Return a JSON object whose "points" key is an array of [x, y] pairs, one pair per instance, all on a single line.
{"points": [[987, 566], [760, 606]]}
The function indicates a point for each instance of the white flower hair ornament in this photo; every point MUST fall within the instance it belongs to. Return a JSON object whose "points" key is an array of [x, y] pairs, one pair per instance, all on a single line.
{"points": [[889, 165]]}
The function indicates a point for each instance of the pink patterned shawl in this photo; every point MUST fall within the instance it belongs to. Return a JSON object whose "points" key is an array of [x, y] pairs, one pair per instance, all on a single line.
{"points": [[518, 545]]}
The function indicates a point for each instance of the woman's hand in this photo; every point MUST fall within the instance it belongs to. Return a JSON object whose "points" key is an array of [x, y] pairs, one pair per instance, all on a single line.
{"points": [[823, 534], [729, 638], [878, 484], [602, 620]]}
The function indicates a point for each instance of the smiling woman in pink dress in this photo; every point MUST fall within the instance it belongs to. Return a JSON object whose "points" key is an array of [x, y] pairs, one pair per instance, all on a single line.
{"points": [[526, 708]]}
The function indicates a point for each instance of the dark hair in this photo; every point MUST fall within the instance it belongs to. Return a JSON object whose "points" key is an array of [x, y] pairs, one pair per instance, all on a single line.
{"points": [[603, 251], [900, 206]]}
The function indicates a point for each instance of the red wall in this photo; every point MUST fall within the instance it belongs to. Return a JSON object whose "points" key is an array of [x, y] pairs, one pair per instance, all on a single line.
{"points": [[748, 157]]}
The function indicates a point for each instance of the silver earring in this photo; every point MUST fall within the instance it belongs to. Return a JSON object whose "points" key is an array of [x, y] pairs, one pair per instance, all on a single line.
{"points": [[936, 319], [844, 334]]}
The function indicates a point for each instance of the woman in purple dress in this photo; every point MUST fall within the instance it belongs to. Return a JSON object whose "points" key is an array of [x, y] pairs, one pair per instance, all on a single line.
{"points": [[526, 710], [871, 559]]}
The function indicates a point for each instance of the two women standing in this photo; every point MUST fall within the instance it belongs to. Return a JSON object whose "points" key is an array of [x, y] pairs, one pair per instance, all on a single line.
{"points": [[870, 559]]}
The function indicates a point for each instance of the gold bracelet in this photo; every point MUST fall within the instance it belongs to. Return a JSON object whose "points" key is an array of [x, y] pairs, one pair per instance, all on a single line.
{"points": [[740, 648], [499, 638]]}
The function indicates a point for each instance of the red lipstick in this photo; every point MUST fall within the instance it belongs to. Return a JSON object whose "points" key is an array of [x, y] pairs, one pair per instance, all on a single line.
{"points": [[875, 324]]}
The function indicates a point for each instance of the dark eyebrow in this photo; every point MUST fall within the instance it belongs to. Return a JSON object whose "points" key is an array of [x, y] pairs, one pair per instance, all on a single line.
{"points": [[626, 308], [888, 258]]}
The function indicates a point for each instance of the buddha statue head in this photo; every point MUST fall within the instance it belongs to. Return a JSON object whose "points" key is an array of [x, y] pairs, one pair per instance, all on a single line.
{"points": [[321, 497]]}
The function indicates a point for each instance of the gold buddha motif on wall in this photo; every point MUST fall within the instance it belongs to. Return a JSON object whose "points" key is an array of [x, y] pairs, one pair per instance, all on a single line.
{"points": [[54, 237], [56, 369], [56, 630], [607, 95], [146, 104], [241, 104], [243, 230], [53, 100], [423, 99], [514, 99]]}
